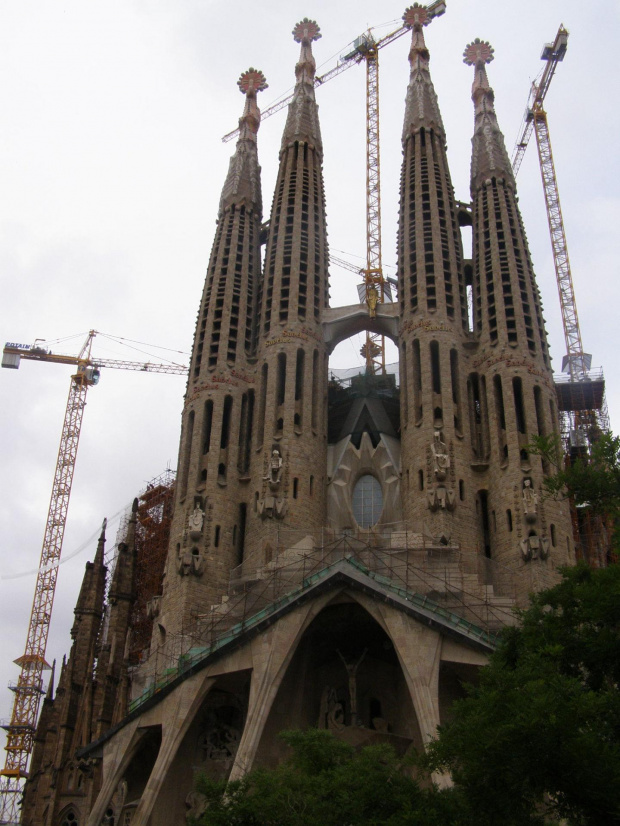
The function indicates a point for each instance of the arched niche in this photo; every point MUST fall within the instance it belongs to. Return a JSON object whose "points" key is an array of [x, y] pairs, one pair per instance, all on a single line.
{"points": [[209, 747], [316, 689], [138, 772]]}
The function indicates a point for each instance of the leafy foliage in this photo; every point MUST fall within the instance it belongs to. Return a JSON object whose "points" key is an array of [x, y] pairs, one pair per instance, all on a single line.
{"points": [[593, 479], [539, 737], [327, 783]]}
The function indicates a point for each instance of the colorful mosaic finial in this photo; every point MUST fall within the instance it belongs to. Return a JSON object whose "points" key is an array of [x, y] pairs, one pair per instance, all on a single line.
{"points": [[306, 31], [252, 81], [480, 51], [416, 16]]}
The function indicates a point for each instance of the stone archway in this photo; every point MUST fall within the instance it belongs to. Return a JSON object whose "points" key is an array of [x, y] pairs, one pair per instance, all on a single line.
{"points": [[357, 689], [341, 323]]}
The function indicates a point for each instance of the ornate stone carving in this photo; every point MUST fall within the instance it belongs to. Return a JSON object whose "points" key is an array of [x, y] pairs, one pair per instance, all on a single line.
{"points": [[352, 672], [190, 562], [196, 804], [273, 503], [274, 474], [440, 497], [331, 713], [195, 522], [153, 607], [530, 501], [220, 741], [534, 547], [441, 457]]}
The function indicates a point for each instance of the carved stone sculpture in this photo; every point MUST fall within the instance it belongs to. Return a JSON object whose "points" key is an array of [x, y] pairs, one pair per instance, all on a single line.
{"points": [[530, 501], [534, 547], [274, 475], [190, 562], [195, 522], [441, 457]]}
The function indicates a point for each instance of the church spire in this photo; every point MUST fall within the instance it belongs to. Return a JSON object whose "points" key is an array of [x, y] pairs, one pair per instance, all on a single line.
{"points": [[422, 109], [302, 123], [242, 183], [489, 156]]}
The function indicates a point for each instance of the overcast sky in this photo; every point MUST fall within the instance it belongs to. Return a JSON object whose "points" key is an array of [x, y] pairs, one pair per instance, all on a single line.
{"points": [[111, 115]]}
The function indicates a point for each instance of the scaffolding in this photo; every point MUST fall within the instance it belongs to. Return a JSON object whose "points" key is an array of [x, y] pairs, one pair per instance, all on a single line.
{"points": [[461, 590], [153, 519]]}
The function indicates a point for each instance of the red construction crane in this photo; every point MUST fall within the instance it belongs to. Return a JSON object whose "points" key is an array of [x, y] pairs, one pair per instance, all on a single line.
{"points": [[29, 687]]}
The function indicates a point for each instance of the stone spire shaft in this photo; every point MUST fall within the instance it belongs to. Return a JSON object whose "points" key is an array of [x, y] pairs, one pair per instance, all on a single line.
{"points": [[429, 244], [214, 453], [507, 303], [422, 108], [292, 382], [513, 380], [489, 156], [302, 122], [433, 303]]}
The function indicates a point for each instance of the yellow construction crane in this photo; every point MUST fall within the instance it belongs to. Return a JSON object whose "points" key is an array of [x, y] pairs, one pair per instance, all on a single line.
{"points": [[29, 687], [366, 48]]}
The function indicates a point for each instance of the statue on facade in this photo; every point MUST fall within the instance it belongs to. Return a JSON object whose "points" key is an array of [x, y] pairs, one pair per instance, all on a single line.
{"points": [[352, 672], [196, 521], [530, 500], [441, 457], [274, 474]]}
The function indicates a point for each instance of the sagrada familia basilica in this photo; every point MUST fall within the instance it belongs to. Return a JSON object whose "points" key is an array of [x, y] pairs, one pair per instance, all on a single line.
{"points": [[340, 554]]}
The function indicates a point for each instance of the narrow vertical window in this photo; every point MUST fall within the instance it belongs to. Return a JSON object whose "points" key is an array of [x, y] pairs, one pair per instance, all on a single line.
{"points": [[226, 416], [187, 452], [517, 389], [315, 389], [263, 403], [483, 498], [456, 392], [299, 390], [435, 369], [207, 423], [241, 533], [245, 431], [280, 394], [500, 416], [417, 381], [403, 383], [478, 417]]}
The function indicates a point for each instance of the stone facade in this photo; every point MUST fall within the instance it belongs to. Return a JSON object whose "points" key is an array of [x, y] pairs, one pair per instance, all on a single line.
{"points": [[341, 555]]}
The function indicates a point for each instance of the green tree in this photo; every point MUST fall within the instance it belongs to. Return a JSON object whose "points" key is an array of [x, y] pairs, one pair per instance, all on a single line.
{"points": [[592, 479], [326, 782], [538, 739]]}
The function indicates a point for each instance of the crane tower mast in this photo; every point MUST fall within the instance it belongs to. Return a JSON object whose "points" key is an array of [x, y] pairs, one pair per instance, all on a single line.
{"points": [[29, 687], [582, 398]]}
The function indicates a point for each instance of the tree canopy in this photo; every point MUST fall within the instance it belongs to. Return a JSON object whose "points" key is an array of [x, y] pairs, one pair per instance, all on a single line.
{"points": [[326, 782], [592, 479], [538, 739]]}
